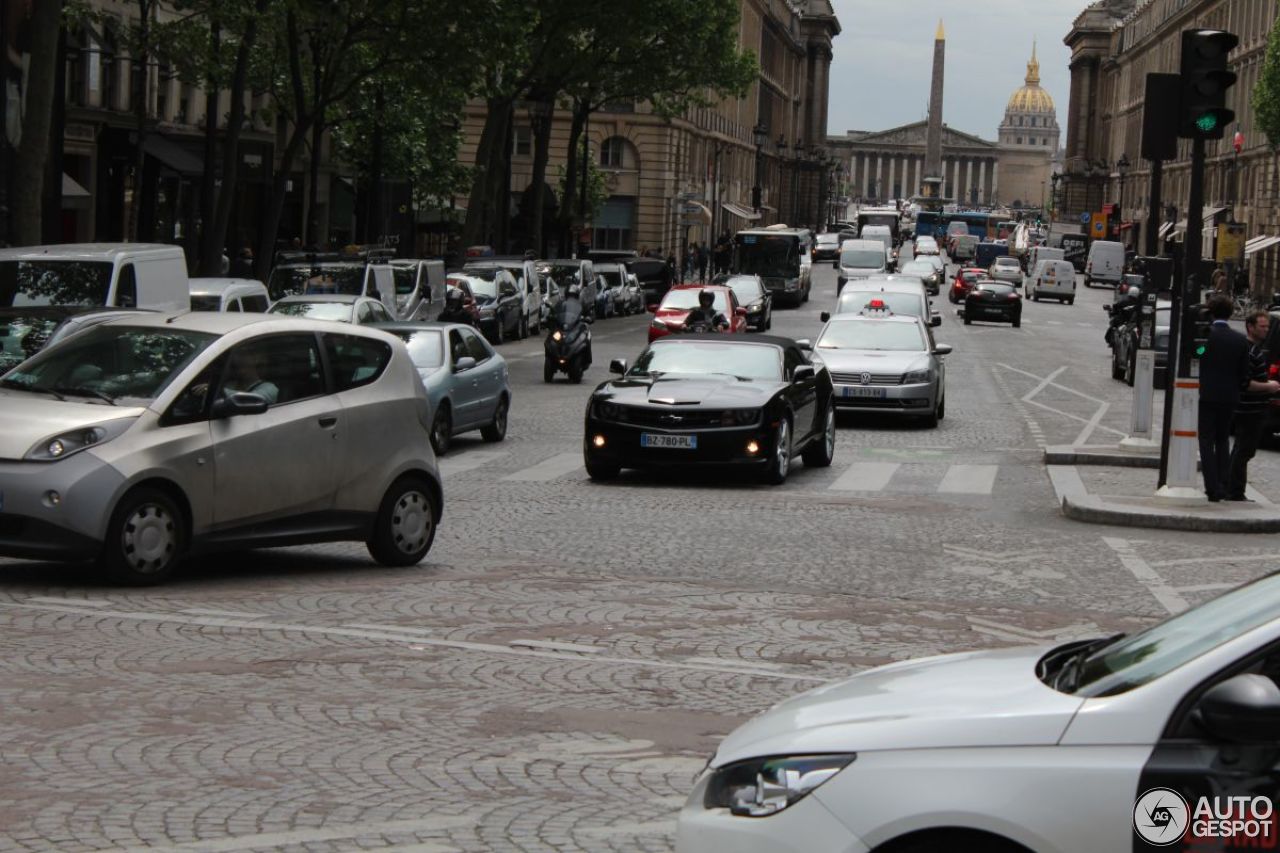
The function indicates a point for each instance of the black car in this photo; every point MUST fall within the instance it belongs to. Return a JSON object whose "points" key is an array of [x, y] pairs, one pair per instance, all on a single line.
{"points": [[701, 399], [993, 301], [752, 295], [498, 301], [1124, 347], [654, 276]]}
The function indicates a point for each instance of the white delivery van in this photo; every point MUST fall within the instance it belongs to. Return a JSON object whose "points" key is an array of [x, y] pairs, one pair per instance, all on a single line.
{"points": [[1053, 279], [860, 259], [1043, 253], [419, 284], [1105, 264], [122, 275], [229, 294], [884, 235]]}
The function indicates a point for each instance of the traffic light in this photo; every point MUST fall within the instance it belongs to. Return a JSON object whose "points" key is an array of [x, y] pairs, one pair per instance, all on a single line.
{"points": [[1205, 80]]}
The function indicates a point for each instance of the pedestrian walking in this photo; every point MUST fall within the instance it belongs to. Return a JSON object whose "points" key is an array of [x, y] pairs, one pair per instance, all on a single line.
{"points": [[704, 258], [1218, 281], [1251, 411], [1224, 374]]}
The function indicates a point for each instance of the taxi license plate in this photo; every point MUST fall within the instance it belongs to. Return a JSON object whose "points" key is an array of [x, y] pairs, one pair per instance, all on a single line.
{"points": [[872, 393], [678, 442], [996, 311]]}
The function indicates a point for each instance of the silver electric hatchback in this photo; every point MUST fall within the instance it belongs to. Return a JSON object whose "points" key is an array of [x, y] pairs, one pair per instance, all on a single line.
{"points": [[147, 438]]}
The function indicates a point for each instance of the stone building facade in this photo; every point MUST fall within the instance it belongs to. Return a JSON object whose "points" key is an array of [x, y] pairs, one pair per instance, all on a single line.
{"points": [[709, 153], [1114, 45]]}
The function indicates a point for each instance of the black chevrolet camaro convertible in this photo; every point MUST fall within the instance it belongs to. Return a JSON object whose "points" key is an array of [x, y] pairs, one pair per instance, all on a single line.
{"points": [[702, 399]]}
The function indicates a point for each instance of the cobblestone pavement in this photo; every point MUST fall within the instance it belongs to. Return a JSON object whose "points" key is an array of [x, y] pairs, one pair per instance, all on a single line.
{"points": [[557, 672]]}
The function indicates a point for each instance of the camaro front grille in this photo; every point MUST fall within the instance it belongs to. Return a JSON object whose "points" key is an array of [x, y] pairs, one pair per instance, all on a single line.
{"points": [[683, 419], [876, 379]]}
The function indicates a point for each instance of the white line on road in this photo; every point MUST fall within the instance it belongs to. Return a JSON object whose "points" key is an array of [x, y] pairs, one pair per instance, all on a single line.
{"points": [[548, 469], [234, 614], [865, 477], [468, 461], [407, 636], [1149, 577], [1092, 425], [80, 602], [969, 479], [1238, 558]]}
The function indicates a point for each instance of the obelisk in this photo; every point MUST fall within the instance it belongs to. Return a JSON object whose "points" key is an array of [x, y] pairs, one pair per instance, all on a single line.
{"points": [[933, 149]]}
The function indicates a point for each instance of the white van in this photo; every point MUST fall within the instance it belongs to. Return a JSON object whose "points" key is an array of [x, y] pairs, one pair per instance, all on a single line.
{"points": [[881, 233], [860, 259], [1043, 253], [1105, 264], [229, 294], [1055, 279], [122, 275]]}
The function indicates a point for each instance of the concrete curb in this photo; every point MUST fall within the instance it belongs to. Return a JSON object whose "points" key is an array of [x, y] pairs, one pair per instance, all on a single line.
{"points": [[1066, 454], [1128, 511]]}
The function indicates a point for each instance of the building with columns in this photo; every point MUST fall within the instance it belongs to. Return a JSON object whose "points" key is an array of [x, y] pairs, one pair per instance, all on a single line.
{"points": [[889, 165], [708, 154], [1114, 45]]}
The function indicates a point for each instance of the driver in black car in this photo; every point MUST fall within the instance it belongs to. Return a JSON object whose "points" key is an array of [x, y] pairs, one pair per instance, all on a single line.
{"points": [[705, 314]]}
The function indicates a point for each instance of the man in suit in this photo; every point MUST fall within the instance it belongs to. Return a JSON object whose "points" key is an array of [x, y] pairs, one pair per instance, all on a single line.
{"points": [[1251, 411], [1224, 373]]}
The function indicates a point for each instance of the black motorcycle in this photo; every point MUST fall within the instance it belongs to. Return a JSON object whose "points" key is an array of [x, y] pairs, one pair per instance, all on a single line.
{"points": [[567, 348]]}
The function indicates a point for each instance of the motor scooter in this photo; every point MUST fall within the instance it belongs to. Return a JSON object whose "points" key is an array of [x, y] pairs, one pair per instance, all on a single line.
{"points": [[567, 348]]}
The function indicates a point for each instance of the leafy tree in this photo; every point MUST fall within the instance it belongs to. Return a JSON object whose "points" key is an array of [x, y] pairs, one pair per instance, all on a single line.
{"points": [[34, 146], [1266, 100]]}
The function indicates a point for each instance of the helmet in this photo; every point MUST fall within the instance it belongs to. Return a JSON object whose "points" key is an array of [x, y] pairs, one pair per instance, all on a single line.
{"points": [[453, 295], [574, 292], [706, 298]]}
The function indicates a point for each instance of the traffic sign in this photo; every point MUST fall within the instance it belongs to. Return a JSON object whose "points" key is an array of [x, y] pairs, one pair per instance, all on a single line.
{"points": [[1098, 226], [1084, 218]]}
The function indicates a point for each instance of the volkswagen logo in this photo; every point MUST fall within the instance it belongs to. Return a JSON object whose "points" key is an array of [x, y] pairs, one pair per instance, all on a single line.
{"points": [[866, 379]]}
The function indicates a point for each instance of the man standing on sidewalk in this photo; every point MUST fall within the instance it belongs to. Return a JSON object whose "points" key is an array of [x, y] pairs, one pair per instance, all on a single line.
{"points": [[1251, 411], [1224, 373]]}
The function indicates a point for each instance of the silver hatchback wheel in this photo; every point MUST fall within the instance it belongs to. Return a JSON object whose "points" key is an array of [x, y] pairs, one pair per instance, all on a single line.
{"points": [[149, 538], [145, 537], [411, 522], [406, 522]]}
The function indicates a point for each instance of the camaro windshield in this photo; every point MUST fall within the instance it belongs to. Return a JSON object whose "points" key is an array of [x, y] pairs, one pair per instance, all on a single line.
{"points": [[750, 361], [109, 362], [687, 300], [872, 335], [1136, 660]]}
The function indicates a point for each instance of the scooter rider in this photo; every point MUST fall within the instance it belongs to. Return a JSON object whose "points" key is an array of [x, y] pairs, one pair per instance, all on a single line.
{"points": [[705, 314], [454, 310]]}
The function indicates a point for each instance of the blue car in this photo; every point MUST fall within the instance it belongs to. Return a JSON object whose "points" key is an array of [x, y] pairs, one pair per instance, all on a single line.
{"points": [[466, 379]]}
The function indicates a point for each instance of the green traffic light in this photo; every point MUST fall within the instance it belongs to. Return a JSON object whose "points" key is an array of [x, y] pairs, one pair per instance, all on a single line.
{"points": [[1200, 350], [1207, 123]]}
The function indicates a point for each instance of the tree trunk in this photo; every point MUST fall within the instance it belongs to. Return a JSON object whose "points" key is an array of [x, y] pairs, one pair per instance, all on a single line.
{"points": [[210, 256], [138, 93], [314, 236], [33, 149], [541, 154], [374, 218], [478, 227], [279, 189], [576, 126], [217, 234]]}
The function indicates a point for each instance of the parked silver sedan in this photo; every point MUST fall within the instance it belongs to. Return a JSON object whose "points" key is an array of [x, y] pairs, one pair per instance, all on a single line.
{"points": [[146, 438], [885, 364], [466, 380]]}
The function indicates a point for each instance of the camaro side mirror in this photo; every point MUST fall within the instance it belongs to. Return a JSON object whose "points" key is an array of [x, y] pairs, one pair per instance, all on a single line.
{"points": [[942, 349], [238, 403], [464, 363], [618, 366], [824, 316], [802, 373], [1243, 709]]}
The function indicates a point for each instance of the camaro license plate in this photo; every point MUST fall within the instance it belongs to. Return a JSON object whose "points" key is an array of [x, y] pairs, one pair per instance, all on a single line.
{"points": [[872, 393], [679, 442]]}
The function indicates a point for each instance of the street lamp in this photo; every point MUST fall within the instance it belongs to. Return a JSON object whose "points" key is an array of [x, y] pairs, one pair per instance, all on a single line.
{"points": [[1122, 169], [760, 135], [784, 215], [1054, 179]]}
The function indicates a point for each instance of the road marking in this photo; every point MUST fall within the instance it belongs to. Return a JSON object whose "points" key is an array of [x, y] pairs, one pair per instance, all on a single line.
{"points": [[555, 647], [80, 602], [1168, 597], [548, 469], [1240, 558], [234, 614], [438, 823], [407, 636], [969, 479], [468, 461], [1092, 425], [989, 556], [1026, 635], [1206, 587], [865, 477]]}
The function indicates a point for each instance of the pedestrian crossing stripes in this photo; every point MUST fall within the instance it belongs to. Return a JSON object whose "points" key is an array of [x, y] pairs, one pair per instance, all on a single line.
{"points": [[927, 474]]}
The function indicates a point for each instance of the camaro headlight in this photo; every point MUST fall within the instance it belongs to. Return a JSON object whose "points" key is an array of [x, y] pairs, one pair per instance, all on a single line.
{"points": [[608, 411], [68, 443], [916, 376], [739, 417], [761, 787]]}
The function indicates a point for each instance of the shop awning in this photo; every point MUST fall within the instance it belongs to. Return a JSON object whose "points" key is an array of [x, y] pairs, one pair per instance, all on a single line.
{"points": [[699, 211], [1164, 230], [740, 211], [1259, 244], [71, 189], [172, 155]]}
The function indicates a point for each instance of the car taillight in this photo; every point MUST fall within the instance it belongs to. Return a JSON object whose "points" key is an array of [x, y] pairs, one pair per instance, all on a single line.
{"points": [[1273, 371]]}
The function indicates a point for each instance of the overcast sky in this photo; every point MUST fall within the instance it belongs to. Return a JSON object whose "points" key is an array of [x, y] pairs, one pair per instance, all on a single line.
{"points": [[883, 59]]}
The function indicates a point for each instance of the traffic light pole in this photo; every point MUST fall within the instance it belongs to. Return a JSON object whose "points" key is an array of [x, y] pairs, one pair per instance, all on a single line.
{"points": [[1179, 442], [1153, 219]]}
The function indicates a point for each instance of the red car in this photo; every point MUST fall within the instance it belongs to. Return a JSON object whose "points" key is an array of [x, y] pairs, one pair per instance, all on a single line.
{"points": [[963, 282], [683, 298]]}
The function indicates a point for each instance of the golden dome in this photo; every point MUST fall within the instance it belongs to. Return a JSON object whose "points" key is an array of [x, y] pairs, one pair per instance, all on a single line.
{"points": [[1031, 98]]}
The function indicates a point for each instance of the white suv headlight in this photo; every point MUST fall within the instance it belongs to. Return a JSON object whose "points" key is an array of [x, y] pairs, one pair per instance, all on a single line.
{"points": [[761, 787], [68, 443]]}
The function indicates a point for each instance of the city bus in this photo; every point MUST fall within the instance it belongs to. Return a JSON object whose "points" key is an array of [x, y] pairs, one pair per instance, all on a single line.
{"points": [[982, 225]]}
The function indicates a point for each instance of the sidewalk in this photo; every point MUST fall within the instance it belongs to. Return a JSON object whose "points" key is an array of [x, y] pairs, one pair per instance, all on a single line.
{"points": [[1104, 485]]}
